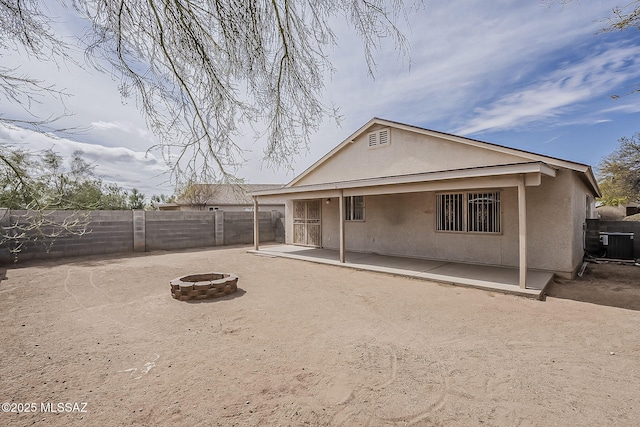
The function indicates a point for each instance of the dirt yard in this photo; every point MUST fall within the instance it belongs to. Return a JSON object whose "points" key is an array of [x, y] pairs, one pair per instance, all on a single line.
{"points": [[306, 344]]}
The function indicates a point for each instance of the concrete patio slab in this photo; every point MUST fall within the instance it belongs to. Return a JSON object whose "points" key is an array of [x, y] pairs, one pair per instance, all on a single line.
{"points": [[498, 279]]}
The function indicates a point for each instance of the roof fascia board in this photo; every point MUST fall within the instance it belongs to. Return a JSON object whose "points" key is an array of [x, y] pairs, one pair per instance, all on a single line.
{"points": [[487, 171], [463, 184], [591, 180]]}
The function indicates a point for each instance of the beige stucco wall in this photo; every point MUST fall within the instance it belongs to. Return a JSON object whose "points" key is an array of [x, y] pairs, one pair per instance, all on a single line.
{"points": [[581, 191], [288, 222], [404, 225], [549, 224], [408, 153], [558, 211]]}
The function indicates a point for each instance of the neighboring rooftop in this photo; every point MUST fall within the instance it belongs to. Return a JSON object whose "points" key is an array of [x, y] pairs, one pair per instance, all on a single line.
{"points": [[221, 195]]}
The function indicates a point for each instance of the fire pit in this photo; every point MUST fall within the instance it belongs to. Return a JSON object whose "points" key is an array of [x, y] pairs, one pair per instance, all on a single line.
{"points": [[203, 286]]}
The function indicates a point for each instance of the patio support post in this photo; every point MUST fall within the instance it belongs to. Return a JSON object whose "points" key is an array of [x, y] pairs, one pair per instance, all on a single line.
{"points": [[256, 224], [522, 230], [341, 213]]}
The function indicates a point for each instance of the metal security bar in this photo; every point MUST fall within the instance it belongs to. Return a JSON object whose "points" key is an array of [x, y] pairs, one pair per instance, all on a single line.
{"points": [[358, 208], [449, 212], [483, 212], [354, 208]]}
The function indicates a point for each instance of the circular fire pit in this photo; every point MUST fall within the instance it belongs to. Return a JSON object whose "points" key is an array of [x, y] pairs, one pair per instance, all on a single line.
{"points": [[203, 286]]}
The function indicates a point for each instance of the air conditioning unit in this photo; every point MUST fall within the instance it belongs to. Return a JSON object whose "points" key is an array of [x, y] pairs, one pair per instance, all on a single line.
{"points": [[616, 245]]}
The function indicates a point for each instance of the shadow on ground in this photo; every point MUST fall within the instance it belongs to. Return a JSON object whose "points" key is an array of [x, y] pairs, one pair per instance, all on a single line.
{"points": [[611, 284]]}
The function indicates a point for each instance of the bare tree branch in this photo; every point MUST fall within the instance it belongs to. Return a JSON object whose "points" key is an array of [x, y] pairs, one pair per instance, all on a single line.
{"points": [[201, 70]]}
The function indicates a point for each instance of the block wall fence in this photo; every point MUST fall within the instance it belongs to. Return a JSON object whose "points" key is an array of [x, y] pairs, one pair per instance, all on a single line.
{"points": [[143, 231]]}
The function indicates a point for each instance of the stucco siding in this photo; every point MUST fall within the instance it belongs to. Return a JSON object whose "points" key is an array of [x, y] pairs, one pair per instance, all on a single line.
{"points": [[400, 181], [404, 225], [408, 153], [288, 222], [550, 230], [580, 193], [330, 225], [510, 245]]}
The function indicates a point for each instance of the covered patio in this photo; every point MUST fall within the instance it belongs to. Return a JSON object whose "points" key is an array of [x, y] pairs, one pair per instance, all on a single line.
{"points": [[492, 278], [406, 200], [500, 278]]}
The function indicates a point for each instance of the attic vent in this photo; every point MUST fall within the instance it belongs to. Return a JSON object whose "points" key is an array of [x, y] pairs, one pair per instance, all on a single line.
{"points": [[379, 138]]}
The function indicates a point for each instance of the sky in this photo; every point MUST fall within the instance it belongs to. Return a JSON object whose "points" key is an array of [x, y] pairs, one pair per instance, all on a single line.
{"points": [[524, 74]]}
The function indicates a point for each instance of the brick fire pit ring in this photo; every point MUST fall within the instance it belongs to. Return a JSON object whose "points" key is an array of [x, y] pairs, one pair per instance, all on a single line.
{"points": [[203, 286]]}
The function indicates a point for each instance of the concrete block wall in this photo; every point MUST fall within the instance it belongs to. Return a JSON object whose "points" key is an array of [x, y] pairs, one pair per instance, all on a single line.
{"points": [[108, 232], [238, 227], [179, 229], [129, 231]]}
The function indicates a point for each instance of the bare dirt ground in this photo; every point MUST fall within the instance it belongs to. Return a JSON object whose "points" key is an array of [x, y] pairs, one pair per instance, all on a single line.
{"points": [[612, 284], [307, 344]]}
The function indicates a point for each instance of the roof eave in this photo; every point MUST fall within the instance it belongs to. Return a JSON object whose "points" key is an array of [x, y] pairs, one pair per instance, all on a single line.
{"points": [[480, 172]]}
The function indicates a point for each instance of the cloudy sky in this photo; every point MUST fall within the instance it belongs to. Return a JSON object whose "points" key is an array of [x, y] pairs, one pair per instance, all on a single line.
{"points": [[524, 74]]}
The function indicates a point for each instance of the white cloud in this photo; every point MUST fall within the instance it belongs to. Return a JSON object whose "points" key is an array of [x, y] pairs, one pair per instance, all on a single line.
{"points": [[121, 165], [465, 55], [127, 127], [111, 125], [557, 93], [477, 66], [631, 106]]}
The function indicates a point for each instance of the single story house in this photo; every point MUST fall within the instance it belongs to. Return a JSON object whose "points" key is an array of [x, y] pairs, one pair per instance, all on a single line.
{"points": [[224, 197], [401, 190]]}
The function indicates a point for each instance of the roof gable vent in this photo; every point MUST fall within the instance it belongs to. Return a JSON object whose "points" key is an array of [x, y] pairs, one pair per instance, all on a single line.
{"points": [[379, 138]]}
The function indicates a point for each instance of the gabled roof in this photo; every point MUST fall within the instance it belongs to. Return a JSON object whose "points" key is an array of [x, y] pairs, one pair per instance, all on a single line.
{"points": [[585, 170]]}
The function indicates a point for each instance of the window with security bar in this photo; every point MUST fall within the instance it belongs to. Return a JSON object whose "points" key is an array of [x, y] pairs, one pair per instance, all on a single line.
{"points": [[450, 216], [354, 208], [469, 212]]}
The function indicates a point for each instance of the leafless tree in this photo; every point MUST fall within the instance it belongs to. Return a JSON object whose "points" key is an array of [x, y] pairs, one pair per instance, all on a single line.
{"points": [[201, 70], [625, 17], [198, 195], [25, 26]]}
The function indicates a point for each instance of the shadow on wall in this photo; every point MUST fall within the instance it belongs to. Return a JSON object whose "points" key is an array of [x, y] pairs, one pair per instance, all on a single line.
{"points": [[610, 284], [237, 294]]}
